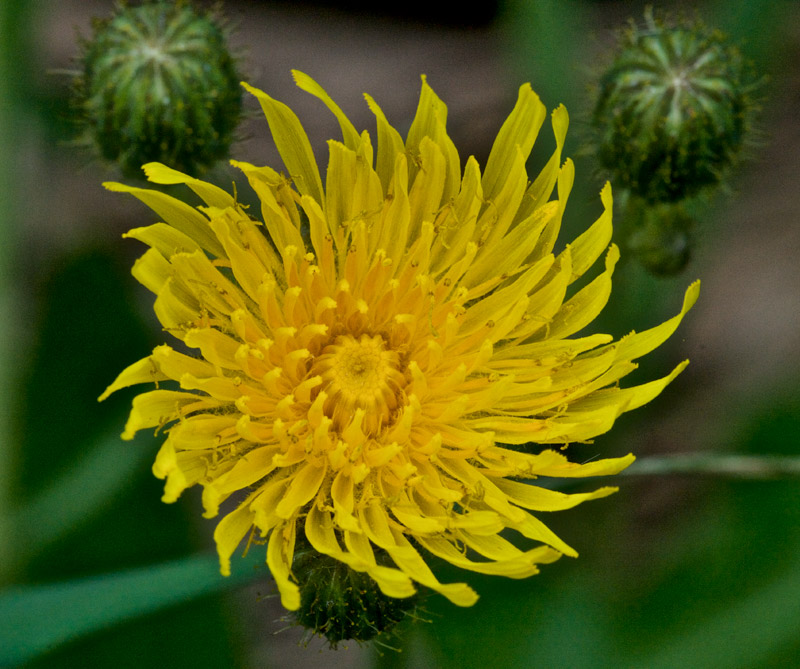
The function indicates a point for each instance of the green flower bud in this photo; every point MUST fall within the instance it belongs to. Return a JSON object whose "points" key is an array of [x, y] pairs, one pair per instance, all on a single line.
{"points": [[672, 111], [339, 603], [158, 84]]}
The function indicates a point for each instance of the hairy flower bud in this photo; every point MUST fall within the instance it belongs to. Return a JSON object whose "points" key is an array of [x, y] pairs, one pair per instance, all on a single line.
{"points": [[672, 111], [339, 603], [158, 84]]}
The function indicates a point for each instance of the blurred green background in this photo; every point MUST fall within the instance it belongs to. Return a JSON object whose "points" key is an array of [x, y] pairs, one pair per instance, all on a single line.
{"points": [[675, 571]]}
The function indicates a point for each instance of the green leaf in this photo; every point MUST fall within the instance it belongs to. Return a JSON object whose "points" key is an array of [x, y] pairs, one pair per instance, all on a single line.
{"points": [[37, 619]]}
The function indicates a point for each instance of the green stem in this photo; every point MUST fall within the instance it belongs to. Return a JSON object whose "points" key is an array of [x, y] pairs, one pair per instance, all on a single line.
{"points": [[760, 467]]}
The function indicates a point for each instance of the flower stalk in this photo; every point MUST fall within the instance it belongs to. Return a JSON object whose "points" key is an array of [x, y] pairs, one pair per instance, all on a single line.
{"points": [[747, 467]]}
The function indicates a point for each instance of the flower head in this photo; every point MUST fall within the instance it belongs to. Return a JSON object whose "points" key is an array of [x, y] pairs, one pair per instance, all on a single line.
{"points": [[383, 360]]}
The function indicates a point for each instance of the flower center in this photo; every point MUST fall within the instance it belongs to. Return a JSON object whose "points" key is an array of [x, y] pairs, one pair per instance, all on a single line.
{"points": [[360, 374]]}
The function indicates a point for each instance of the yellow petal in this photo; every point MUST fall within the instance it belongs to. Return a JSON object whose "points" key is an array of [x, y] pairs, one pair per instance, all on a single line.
{"points": [[211, 288], [212, 195], [535, 529], [159, 407], [349, 133], [636, 345], [396, 219], [410, 561], [629, 398], [536, 498], [565, 181], [282, 229], [507, 255], [583, 307], [539, 191], [303, 488], [321, 536], [343, 502], [516, 567], [494, 306], [218, 348], [229, 533], [175, 307], [142, 371], [178, 214], [266, 499], [456, 232], [203, 432], [546, 299], [547, 352], [552, 463], [501, 209], [246, 265], [392, 582], [496, 548], [279, 559], [152, 270], [390, 145], [249, 469], [481, 488], [518, 132], [319, 530], [175, 364], [426, 193], [165, 238], [420, 524], [588, 247], [430, 122], [292, 143]]}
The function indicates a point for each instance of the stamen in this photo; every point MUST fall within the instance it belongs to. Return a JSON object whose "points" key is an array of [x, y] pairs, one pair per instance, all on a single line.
{"points": [[360, 374]]}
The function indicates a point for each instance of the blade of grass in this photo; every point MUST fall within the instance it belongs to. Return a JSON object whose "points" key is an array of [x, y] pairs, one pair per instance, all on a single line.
{"points": [[39, 618]]}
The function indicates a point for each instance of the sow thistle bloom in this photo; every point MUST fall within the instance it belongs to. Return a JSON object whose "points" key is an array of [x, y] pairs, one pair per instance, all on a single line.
{"points": [[382, 361]]}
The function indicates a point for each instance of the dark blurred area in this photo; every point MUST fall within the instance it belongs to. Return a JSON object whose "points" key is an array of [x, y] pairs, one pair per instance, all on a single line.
{"points": [[444, 14]]}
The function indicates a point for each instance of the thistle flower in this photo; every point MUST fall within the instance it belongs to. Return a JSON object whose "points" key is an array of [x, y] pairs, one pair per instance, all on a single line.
{"points": [[382, 361], [158, 83]]}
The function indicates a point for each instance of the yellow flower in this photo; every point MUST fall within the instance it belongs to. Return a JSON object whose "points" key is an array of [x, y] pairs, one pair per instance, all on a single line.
{"points": [[378, 357]]}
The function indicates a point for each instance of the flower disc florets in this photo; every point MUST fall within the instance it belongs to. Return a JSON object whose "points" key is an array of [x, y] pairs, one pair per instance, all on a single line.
{"points": [[360, 374], [382, 387]]}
